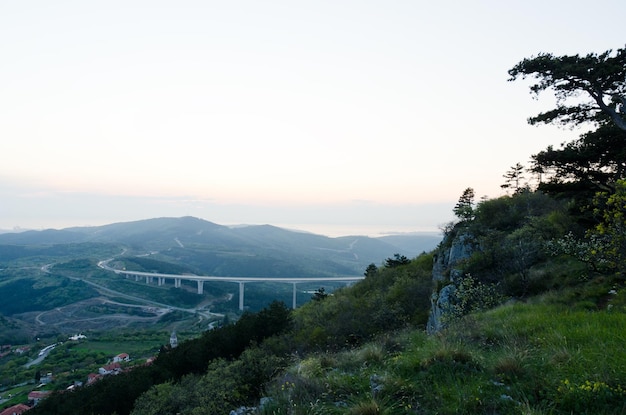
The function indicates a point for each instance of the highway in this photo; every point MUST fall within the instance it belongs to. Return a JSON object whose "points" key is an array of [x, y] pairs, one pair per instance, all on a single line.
{"points": [[200, 279]]}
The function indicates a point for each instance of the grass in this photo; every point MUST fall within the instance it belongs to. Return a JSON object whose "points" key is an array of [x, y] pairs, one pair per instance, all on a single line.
{"points": [[525, 358], [15, 395], [113, 348]]}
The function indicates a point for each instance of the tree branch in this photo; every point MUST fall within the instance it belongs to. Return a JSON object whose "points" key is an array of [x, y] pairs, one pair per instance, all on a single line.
{"points": [[619, 121]]}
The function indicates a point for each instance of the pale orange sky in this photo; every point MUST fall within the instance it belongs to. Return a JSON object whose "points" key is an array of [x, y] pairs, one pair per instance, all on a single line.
{"points": [[338, 113]]}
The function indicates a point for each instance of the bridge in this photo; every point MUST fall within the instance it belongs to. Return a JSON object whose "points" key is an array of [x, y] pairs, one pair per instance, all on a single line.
{"points": [[150, 277]]}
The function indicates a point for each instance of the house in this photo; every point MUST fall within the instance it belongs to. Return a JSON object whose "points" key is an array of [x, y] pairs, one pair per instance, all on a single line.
{"points": [[77, 337], [22, 350], [93, 377], [74, 385], [15, 409], [47, 378], [112, 369], [122, 357], [36, 396], [173, 340]]}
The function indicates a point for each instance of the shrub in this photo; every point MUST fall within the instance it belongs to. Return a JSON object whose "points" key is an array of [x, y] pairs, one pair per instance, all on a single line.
{"points": [[472, 295]]}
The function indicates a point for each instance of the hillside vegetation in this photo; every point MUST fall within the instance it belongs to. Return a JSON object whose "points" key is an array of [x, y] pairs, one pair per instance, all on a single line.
{"points": [[552, 346]]}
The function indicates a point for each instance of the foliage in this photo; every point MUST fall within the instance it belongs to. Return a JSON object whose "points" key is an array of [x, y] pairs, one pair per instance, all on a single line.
{"points": [[42, 254], [396, 261], [191, 357], [472, 295], [371, 270], [594, 162], [464, 208], [514, 178], [603, 247], [582, 167], [510, 233], [319, 294], [612, 228], [590, 397], [226, 384], [56, 292], [600, 77], [515, 359], [388, 298], [13, 331], [588, 250], [152, 265]]}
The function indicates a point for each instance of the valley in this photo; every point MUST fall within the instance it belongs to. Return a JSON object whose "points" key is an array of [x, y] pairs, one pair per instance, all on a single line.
{"points": [[58, 284]]}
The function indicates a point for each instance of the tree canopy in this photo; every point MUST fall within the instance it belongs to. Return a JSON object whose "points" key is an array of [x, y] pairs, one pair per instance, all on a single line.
{"points": [[601, 78], [464, 208], [590, 164], [588, 89]]}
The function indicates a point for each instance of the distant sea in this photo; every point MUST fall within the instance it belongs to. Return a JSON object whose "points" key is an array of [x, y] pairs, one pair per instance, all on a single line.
{"points": [[372, 231]]}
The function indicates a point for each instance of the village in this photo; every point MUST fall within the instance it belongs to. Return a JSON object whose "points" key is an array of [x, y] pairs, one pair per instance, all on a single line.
{"points": [[116, 364]]}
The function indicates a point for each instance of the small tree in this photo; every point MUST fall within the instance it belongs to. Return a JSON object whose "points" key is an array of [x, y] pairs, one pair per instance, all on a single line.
{"points": [[472, 295], [319, 294], [371, 270], [612, 228], [513, 178], [396, 261], [464, 208]]}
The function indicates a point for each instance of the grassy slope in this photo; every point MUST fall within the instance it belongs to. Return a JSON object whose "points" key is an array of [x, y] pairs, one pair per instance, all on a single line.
{"points": [[517, 359]]}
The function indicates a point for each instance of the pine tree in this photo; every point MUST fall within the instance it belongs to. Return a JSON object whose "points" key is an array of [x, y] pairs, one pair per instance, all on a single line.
{"points": [[464, 208], [514, 177]]}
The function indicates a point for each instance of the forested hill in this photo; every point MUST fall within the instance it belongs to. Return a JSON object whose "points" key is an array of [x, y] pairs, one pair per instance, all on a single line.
{"points": [[212, 249]]}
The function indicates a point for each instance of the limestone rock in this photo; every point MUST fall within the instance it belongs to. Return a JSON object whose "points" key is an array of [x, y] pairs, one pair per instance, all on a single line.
{"points": [[448, 256]]}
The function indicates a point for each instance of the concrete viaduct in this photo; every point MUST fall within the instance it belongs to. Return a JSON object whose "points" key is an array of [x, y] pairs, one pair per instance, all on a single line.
{"points": [[150, 277]]}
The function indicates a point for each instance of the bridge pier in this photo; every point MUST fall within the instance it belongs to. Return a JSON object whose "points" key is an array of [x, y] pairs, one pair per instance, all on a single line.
{"points": [[162, 280], [241, 296]]}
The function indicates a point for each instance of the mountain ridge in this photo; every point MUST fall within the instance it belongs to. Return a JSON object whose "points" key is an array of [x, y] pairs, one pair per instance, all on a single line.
{"points": [[220, 250]]}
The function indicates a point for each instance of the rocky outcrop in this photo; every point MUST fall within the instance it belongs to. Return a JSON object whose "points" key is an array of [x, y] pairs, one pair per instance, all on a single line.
{"points": [[445, 276]]}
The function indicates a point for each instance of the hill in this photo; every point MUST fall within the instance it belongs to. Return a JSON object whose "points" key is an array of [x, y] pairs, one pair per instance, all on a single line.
{"points": [[212, 249], [57, 271]]}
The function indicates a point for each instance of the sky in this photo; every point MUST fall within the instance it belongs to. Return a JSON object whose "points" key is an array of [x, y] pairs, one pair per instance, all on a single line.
{"points": [[334, 117]]}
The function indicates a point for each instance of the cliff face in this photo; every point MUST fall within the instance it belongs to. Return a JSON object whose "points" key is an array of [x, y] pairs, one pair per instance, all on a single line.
{"points": [[446, 275]]}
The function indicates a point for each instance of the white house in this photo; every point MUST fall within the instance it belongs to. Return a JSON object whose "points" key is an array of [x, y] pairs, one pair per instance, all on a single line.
{"points": [[112, 369], [122, 357]]}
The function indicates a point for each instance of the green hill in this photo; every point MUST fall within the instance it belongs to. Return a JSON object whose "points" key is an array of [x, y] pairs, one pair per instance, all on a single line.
{"points": [[206, 248]]}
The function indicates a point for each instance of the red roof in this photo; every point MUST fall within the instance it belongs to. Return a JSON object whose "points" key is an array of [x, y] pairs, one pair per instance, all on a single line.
{"points": [[112, 366], [92, 377], [38, 394], [15, 409]]}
